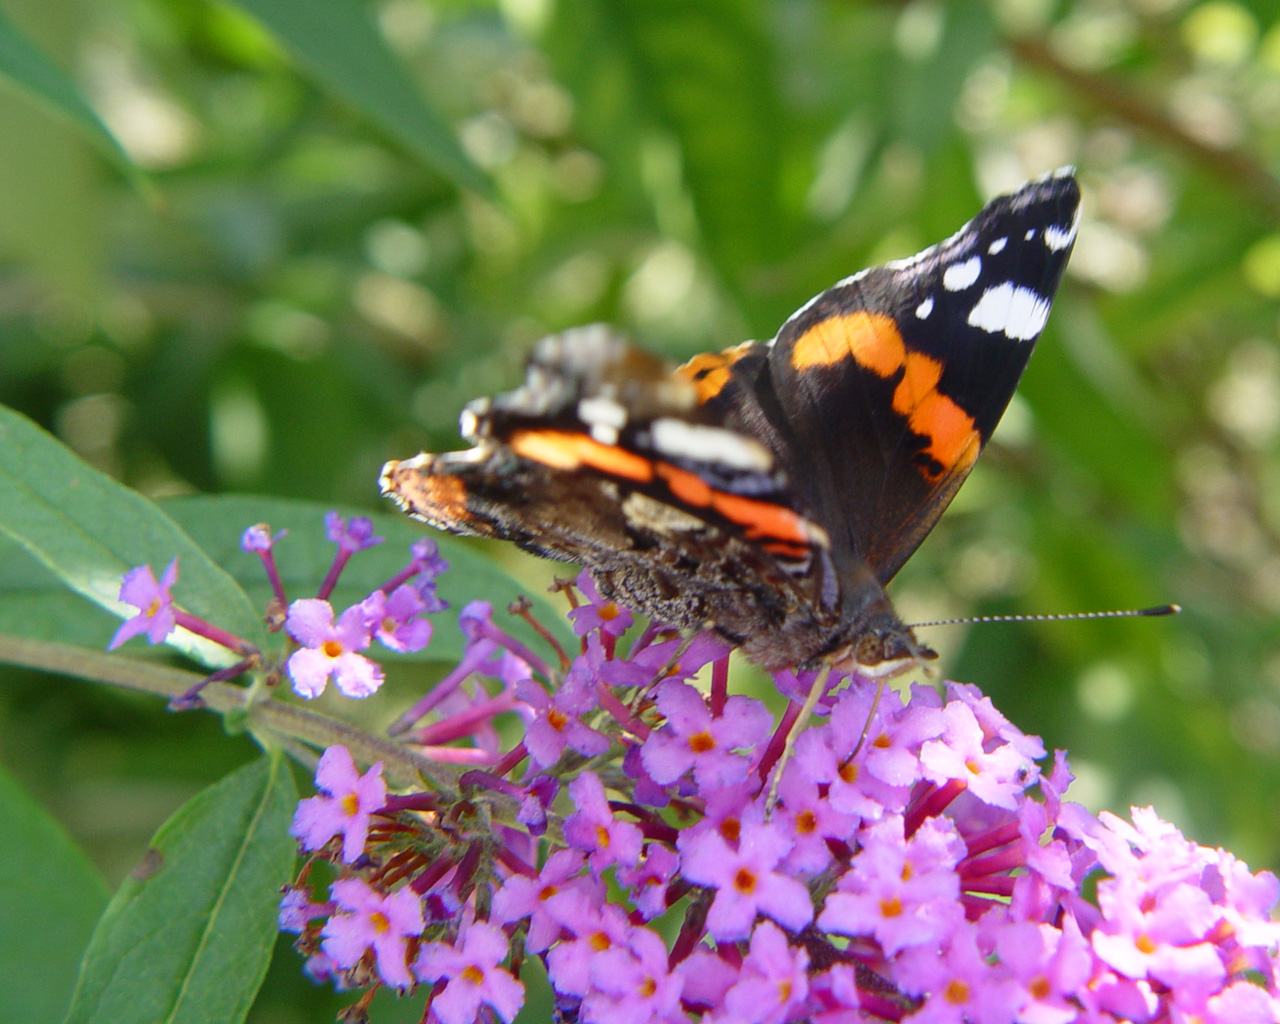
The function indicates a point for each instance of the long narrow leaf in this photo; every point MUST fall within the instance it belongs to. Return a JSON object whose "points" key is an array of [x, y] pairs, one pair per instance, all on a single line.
{"points": [[337, 40], [26, 65], [89, 530], [50, 897], [187, 938]]}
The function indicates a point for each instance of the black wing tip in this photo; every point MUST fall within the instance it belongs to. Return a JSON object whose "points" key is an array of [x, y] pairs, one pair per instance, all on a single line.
{"points": [[1058, 188]]}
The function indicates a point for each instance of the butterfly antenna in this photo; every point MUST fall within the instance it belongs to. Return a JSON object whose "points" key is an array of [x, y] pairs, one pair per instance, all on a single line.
{"points": [[1119, 613]]}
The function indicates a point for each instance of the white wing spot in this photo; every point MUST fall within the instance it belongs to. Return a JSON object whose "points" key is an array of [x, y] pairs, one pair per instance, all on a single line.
{"points": [[602, 412], [959, 276], [997, 246], [925, 308], [709, 444], [1019, 313], [604, 434], [1057, 238], [1031, 234], [468, 424]]}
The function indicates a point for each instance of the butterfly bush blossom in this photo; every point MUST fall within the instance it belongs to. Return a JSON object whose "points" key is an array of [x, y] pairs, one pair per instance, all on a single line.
{"points": [[610, 817]]}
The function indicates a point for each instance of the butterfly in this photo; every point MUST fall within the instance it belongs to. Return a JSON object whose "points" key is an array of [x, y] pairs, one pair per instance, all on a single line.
{"points": [[768, 492]]}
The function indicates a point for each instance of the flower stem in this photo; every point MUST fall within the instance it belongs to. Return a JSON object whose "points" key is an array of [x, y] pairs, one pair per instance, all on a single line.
{"points": [[268, 718]]}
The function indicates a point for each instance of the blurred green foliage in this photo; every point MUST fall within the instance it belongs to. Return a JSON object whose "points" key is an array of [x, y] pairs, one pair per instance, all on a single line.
{"points": [[335, 248]]}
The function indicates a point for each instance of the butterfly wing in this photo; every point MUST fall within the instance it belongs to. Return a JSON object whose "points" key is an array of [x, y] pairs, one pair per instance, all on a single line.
{"points": [[879, 394], [604, 457]]}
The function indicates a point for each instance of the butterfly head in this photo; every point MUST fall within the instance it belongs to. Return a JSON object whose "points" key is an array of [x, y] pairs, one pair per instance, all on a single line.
{"points": [[887, 650]]}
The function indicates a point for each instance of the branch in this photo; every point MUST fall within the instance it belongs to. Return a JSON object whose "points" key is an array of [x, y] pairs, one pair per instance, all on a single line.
{"points": [[1243, 172], [273, 717]]}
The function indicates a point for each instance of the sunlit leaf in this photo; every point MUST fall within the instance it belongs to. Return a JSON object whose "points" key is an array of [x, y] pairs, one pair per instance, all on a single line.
{"points": [[90, 530]]}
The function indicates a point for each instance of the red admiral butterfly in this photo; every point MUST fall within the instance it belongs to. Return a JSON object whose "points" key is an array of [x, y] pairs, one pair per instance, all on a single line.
{"points": [[769, 491]]}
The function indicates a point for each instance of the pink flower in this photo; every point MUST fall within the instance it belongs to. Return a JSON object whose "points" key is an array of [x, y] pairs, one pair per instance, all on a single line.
{"points": [[746, 880], [962, 986], [599, 612], [559, 895], [693, 739], [371, 920], [470, 967], [774, 982], [155, 604], [593, 827], [633, 984], [330, 650], [346, 802], [557, 725], [902, 892], [596, 928], [995, 777], [395, 620]]}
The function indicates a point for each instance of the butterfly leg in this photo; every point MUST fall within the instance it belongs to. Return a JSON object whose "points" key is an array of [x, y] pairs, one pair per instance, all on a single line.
{"points": [[816, 691], [866, 726], [687, 637]]}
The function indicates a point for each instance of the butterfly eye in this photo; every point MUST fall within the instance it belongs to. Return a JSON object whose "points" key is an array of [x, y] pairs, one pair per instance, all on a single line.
{"points": [[869, 649]]}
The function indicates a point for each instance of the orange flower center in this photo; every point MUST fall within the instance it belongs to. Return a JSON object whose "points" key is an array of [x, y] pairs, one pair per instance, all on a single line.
{"points": [[744, 880], [701, 743], [956, 992], [332, 648]]}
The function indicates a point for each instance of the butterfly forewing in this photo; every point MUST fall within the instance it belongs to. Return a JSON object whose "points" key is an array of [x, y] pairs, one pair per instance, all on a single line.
{"points": [[879, 394]]}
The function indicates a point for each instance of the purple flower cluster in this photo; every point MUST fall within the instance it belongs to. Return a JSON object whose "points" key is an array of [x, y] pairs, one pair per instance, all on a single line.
{"points": [[645, 839], [328, 645], [918, 865]]}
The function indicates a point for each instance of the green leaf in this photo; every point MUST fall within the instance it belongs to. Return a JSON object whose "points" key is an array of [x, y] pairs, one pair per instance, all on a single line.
{"points": [[50, 897], [338, 41], [35, 603], [89, 530], [216, 521], [28, 66], [188, 937], [703, 73]]}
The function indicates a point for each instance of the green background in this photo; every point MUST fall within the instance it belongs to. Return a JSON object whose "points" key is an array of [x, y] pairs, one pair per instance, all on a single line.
{"points": [[328, 225]]}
